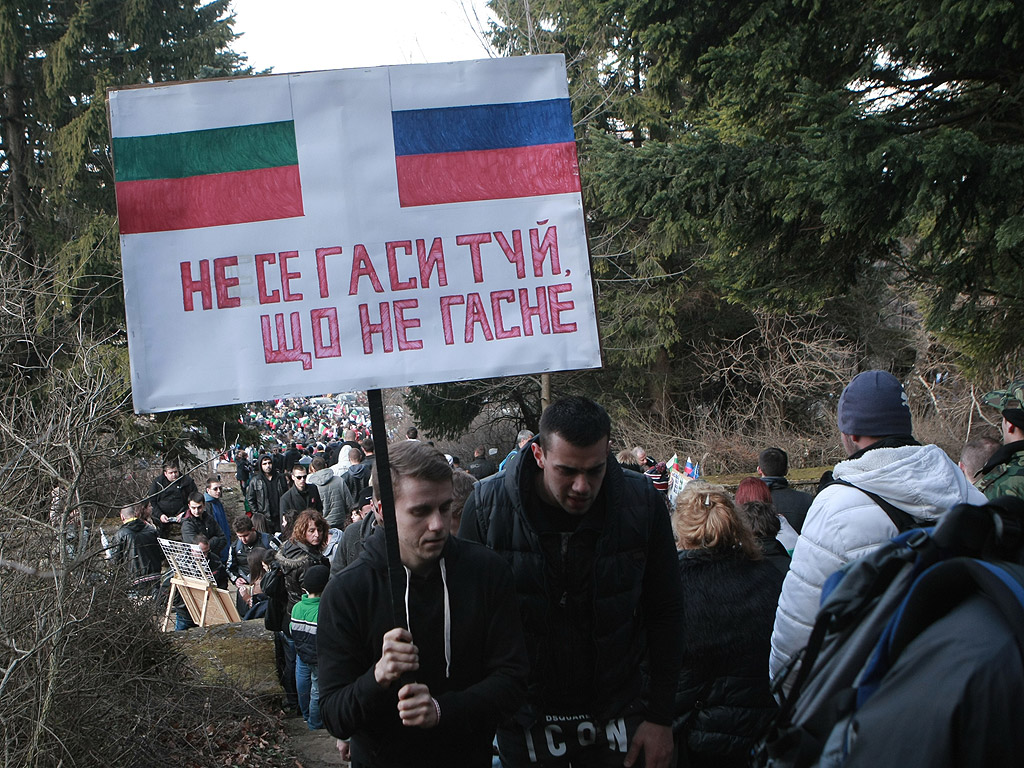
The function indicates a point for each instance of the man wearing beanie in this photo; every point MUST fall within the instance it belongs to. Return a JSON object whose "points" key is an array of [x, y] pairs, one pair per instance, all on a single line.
{"points": [[1003, 473], [886, 467]]}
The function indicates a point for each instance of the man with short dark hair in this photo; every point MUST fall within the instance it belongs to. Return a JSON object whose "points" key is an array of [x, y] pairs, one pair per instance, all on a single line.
{"points": [[215, 507], [367, 446], [243, 469], [468, 660], [266, 487], [772, 466], [168, 493], [598, 589], [412, 434], [481, 467], [300, 496], [247, 538], [291, 457], [198, 522], [360, 467]]}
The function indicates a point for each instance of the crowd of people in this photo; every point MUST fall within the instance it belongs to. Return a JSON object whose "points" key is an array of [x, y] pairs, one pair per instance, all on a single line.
{"points": [[559, 608]]}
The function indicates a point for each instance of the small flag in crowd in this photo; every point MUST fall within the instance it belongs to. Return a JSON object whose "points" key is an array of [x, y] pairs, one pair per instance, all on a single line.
{"points": [[688, 469], [207, 178], [485, 152]]}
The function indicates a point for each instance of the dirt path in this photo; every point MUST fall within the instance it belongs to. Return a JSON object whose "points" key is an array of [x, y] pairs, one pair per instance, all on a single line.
{"points": [[316, 749]]}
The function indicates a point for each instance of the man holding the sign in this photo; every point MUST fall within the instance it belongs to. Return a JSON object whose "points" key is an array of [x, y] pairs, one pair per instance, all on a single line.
{"points": [[430, 693], [599, 594]]}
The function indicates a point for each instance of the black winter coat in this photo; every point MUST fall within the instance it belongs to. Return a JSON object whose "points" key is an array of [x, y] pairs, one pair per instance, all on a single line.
{"points": [[169, 498], [207, 525], [790, 503], [264, 497], [295, 559], [135, 544], [238, 554], [634, 615], [723, 702]]}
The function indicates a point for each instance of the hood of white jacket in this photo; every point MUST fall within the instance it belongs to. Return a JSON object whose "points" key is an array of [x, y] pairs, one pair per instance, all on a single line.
{"points": [[919, 479]]}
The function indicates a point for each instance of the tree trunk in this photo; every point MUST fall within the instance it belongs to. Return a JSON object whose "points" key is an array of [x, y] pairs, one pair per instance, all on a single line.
{"points": [[17, 152], [658, 389]]}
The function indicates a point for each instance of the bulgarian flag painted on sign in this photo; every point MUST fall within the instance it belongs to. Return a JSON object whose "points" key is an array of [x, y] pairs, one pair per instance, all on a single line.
{"points": [[207, 178]]}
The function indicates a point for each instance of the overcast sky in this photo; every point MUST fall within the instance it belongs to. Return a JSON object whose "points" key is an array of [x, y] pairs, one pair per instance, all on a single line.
{"points": [[301, 35]]}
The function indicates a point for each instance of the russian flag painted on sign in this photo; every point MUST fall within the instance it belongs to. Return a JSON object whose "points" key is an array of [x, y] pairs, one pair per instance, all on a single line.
{"points": [[207, 178], [485, 152]]}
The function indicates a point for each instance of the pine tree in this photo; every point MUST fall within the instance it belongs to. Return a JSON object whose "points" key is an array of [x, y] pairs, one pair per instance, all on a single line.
{"points": [[57, 60], [823, 139]]}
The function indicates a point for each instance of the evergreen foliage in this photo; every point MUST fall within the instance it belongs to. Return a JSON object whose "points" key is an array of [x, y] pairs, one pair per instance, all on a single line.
{"points": [[57, 60], [821, 139], [811, 175]]}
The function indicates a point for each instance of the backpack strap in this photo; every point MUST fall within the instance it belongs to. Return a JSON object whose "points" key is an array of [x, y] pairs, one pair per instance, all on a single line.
{"points": [[902, 520]]}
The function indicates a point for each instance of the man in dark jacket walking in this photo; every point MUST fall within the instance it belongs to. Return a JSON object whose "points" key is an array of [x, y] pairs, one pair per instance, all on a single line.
{"points": [[468, 660], [199, 522], [266, 487], [481, 467], [136, 546], [357, 476], [300, 497], [595, 567], [772, 466], [168, 493]]}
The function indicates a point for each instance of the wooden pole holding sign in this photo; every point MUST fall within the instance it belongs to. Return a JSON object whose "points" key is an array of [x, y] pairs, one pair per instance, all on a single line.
{"points": [[396, 574]]}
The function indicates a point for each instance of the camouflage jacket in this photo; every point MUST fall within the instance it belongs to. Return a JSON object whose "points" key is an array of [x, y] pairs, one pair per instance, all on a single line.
{"points": [[1006, 472]]}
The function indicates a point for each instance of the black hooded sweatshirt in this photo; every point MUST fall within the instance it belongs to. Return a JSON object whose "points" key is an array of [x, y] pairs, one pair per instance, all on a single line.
{"points": [[483, 683]]}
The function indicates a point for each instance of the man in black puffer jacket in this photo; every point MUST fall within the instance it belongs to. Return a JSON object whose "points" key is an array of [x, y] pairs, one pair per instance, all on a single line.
{"points": [[595, 571]]}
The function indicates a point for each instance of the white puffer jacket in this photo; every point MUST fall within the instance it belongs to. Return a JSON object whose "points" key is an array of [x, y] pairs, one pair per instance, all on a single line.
{"points": [[844, 524]]}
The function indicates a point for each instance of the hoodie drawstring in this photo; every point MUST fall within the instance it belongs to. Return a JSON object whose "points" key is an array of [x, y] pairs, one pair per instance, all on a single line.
{"points": [[447, 616], [447, 624]]}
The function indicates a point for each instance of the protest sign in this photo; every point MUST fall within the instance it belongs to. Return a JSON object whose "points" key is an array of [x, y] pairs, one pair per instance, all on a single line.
{"points": [[350, 229]]}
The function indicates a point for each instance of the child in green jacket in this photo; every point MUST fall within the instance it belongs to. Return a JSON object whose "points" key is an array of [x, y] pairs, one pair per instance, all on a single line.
{"points": [[303, 631]]}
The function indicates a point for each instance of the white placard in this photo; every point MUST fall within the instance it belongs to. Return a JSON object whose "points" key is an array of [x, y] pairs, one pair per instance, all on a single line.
{"points": [[351, 282]]}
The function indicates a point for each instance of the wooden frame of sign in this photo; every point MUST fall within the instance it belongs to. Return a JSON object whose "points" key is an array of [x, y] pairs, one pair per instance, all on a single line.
{"points": [[193, 579]]}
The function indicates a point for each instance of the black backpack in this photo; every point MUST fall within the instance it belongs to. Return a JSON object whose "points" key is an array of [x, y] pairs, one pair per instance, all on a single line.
{"points": [[272, 585], [873, 608]]}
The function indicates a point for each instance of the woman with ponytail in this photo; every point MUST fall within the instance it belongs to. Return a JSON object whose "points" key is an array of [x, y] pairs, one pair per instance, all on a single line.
{"points": [[723, 702]]}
